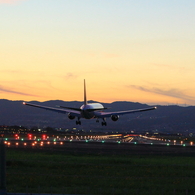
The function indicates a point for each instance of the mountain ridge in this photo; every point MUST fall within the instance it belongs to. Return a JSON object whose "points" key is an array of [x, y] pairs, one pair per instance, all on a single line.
{"points": [[171, 118]]}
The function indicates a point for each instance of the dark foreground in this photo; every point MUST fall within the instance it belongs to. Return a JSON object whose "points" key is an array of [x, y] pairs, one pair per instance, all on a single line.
{"points": [[91, 168]]}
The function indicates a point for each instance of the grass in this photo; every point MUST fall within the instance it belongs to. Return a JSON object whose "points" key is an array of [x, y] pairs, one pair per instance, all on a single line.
{"points": [[50, 172]]}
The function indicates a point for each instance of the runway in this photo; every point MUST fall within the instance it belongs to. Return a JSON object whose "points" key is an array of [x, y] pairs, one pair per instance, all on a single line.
{"points": [[102, 144]]}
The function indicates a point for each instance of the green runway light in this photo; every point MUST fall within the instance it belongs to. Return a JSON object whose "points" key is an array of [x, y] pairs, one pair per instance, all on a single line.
{"points": [[167, 144], [103, 141], [135, 142], [184, 145], [151, 143], [22, 139], [6, 139], [86, 141], [119, 142]]}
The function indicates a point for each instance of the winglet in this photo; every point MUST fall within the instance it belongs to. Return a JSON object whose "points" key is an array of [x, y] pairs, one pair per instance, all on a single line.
{"points": [[85, 96]]}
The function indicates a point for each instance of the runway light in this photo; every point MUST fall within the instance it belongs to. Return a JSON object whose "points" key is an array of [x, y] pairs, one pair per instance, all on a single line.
{"points": [[167, 144], [191, 143], [54, 143], [135, 142], [184, 145], [29, 136], [86, 141], [25, 144], [103, 141], [61, 143], [119, 142], [44, 137], [17, 143]]}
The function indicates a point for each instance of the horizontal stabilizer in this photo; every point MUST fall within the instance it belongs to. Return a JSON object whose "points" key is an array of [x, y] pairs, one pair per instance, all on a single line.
{"points": [[96, 109], [77, 109]]}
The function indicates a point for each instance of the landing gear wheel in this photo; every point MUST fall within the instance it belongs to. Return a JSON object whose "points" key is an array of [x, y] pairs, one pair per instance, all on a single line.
{"points": [[104, 124], [78, 122]]}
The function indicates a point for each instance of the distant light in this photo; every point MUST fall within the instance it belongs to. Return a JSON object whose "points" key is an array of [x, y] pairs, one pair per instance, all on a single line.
{"points": [[168, 144], [86, 140], [151, 143], [184, 145], [103, 141], [135, 142], [119, 142]]}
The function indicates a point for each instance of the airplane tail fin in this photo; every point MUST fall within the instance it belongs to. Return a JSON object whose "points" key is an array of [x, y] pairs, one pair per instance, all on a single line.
{"points": [[85, 96]]}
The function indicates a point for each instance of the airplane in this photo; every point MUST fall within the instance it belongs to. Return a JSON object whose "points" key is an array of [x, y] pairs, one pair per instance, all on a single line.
{"points": [[89, 111]]}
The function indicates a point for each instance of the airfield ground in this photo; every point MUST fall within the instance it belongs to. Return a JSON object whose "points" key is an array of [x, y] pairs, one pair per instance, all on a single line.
{"points": [[101, 168]]}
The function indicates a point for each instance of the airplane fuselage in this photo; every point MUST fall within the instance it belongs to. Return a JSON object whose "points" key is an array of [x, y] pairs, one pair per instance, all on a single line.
{"points": [[87, 111]]}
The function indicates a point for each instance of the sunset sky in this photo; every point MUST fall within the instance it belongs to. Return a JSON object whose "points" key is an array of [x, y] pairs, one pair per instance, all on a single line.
{"points": [[128, 50]]}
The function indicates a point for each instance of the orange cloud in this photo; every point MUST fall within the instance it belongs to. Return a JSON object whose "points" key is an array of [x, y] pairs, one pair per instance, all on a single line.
{"points": [[10, 1]]}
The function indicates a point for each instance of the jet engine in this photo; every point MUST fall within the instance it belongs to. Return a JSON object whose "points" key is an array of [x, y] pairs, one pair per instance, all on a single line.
{"points": [[114, 117], [70, 116]]}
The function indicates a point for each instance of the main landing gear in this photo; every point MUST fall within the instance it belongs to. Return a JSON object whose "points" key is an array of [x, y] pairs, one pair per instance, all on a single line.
{"points": [[104, 123], [78, 122]]}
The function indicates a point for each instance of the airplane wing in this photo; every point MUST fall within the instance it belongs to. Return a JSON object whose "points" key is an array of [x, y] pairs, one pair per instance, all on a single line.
{"points": [[59, 110], [109, 114]]}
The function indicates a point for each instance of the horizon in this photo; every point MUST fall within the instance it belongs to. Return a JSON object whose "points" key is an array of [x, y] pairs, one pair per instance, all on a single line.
{"points": [[80, 101]]}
